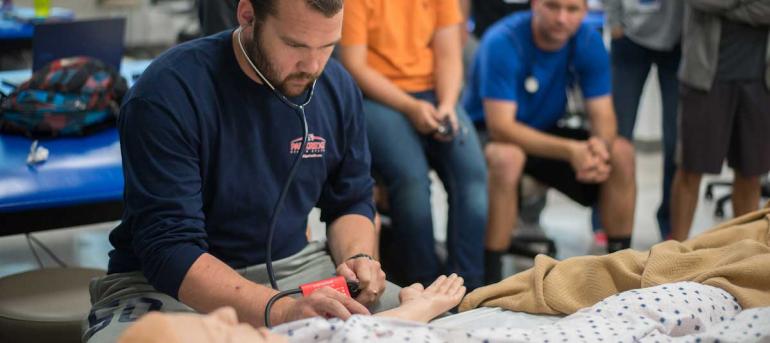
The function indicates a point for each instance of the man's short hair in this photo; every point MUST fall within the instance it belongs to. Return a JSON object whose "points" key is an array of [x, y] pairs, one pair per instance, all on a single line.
{"points": [[263, 8]]}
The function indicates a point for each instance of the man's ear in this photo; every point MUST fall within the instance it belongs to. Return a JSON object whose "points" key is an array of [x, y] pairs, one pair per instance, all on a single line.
{"points": [[245, 13]]}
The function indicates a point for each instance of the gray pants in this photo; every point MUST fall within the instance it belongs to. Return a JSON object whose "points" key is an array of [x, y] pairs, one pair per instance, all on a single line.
{"points": [[120, 299]]}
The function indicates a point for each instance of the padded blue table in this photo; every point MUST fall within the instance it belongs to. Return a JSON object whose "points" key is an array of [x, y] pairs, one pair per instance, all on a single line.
{"points": [[12, 29], [80, 183], [19, 22]]}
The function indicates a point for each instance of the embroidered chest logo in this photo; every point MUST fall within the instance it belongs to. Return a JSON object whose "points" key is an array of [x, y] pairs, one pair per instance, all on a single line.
{"points": [[316, 146]]}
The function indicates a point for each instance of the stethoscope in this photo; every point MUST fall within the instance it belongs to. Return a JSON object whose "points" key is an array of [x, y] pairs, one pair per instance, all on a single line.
{"points": [[531, 84], [300, 111]]}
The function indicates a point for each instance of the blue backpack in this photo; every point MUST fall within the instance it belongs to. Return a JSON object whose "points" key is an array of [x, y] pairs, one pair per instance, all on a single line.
{"points": [[68, 97]]}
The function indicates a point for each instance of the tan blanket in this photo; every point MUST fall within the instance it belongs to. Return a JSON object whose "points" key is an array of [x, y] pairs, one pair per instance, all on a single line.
{"points": [[734, 256]]}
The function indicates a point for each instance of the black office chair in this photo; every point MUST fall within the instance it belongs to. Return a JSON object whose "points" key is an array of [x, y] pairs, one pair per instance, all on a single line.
{"points": [[532, 201], [719, 209]]}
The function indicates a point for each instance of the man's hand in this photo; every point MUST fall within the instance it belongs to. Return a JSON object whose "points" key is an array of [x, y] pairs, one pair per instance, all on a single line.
{"points": [[447, 111], [369, 275], [582, 161], [600, 149], [590, 161], [325, 302], [423, 116]]}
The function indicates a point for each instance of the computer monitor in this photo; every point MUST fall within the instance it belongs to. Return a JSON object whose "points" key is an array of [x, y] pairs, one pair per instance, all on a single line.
{"points": [[98, 38]]}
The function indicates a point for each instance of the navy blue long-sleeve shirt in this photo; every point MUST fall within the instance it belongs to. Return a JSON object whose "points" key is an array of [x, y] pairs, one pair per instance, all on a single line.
{"points": [[206, 151]]}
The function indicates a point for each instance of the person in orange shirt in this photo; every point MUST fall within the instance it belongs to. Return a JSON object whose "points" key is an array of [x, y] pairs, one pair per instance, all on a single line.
{"points": [[406, 57]]}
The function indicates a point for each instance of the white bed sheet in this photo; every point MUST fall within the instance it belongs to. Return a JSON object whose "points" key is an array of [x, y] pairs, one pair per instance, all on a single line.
{"points": [[679, 312], [486, 317]]}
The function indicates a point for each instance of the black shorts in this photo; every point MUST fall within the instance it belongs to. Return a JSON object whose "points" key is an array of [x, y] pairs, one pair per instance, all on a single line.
{"points": [[557, 174], [731, 121]]}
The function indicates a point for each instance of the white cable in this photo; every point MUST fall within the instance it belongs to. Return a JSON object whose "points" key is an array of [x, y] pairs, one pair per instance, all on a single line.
{"points": [[248, 59]]}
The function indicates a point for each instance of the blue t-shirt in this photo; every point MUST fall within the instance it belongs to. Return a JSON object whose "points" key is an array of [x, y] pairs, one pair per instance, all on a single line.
{"points": [[206, 151], [507, 55]]}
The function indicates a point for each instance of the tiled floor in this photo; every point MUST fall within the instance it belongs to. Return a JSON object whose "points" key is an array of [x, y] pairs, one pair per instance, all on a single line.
{"points": [[567, 223]]}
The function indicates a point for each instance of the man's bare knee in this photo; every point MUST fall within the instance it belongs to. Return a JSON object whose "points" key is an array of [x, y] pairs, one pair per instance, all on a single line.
{"points": [[505, 163], [623, 158]]}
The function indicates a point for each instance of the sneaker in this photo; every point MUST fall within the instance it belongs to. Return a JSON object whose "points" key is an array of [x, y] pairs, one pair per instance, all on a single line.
{"points": [[600, 238]]}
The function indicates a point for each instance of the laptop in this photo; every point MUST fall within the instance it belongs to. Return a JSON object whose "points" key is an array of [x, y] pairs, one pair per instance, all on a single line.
{"points": [[98, 38]]}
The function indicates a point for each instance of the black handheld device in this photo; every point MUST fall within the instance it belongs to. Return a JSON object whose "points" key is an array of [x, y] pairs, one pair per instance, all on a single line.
{"points": [[445, 127]]}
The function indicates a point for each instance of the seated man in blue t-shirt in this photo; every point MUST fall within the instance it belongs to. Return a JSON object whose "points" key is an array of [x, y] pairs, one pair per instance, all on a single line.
{"points": [[520, 77], [207, 147]]}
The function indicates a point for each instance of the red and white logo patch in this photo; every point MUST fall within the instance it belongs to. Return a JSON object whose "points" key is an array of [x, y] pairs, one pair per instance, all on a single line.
{"points": [[316, 146]]}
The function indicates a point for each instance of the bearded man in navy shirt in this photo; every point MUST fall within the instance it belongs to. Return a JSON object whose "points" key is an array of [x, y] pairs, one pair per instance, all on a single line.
{"points": [[206, 150]]}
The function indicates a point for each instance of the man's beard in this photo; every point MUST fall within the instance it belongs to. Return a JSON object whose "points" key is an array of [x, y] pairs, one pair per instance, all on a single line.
{"points": [[262, 61]]}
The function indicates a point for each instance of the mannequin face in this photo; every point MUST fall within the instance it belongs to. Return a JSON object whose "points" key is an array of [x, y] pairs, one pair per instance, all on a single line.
{"points": [[220, 326]]}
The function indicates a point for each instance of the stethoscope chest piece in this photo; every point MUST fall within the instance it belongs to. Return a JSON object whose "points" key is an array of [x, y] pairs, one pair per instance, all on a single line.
{"points": [[531, 84]]}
